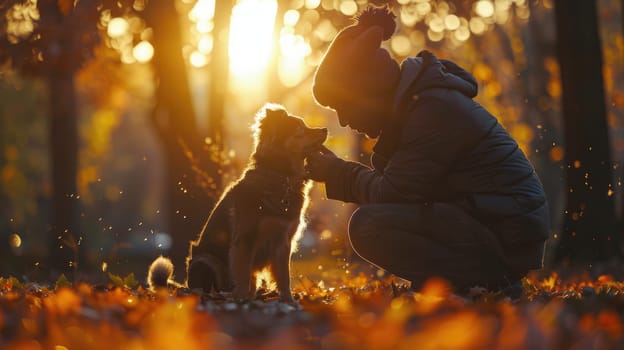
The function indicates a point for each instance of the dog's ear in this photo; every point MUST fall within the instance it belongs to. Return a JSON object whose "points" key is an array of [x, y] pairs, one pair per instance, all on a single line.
{"points": [[268, 124], [271, 116]]}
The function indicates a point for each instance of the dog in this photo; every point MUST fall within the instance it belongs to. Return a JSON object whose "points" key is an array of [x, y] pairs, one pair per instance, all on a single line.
{"points": [[259, 219]]}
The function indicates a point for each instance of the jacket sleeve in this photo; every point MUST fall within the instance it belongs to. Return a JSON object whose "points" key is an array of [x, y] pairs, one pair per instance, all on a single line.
{"points": [[417, 171]]}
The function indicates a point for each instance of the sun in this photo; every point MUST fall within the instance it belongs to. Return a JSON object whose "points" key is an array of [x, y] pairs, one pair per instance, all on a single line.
{"points": [[251, 37], [252, 43]]}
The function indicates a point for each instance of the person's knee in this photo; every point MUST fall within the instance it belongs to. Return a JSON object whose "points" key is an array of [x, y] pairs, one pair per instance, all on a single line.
{"points": [[361, 221], [363, 226]]}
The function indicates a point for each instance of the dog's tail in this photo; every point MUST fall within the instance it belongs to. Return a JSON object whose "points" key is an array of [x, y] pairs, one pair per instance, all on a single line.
{"points": [[160, 273]]}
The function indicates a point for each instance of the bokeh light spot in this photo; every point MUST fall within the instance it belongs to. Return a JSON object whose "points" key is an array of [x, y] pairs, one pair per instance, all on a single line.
{"points": [[401, 45], [117, 27], [477, 25], [291, 17], [312, 4], [484, 8], [198, 59], [451, 22], [15, 240], [348, 8], [143, 51]]}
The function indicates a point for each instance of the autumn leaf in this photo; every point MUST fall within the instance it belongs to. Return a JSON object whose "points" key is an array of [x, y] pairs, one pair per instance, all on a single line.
{"points": [[378, 313], [62, 281], [528, 287], [130, 281], [16, 283], [116, 280]]}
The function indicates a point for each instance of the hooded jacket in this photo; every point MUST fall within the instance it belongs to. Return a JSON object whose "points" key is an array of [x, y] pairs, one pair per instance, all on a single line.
{"points": [[441, 146]]}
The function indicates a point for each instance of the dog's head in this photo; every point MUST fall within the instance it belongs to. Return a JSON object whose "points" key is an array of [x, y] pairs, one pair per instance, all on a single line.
{"points": [[280, 137]]}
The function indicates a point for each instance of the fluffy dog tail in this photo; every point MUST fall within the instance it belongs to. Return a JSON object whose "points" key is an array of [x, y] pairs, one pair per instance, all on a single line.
{"points": [[160, 273]]}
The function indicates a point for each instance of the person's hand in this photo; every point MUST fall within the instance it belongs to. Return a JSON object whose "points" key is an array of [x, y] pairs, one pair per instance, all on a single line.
{"points": [[318, 164]]}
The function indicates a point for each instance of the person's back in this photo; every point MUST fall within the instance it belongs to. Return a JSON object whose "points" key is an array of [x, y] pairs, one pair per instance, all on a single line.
{"points": [[500, 183], [480, 162], [488, 176]]}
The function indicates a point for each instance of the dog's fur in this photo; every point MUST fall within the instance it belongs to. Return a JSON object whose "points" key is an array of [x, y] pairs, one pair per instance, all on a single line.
{"points": [[259, 219]]}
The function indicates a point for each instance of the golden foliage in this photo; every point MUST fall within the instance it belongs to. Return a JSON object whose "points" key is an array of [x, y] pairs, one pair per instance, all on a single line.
{"points": [[354, 313]]}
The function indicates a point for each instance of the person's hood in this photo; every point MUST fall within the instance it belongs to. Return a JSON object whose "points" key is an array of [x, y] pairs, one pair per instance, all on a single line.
{"points": [[419, 73], [426, 71]]}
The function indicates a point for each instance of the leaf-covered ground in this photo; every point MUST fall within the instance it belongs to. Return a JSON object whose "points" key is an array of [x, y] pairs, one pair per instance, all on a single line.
{"points": [[350, 312]]}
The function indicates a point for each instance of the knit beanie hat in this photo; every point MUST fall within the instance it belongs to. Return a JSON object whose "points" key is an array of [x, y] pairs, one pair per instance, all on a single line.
{"points": [[355, 65]]}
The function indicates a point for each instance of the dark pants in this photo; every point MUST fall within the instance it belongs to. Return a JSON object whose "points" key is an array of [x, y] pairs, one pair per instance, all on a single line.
{"points": [[416, 242]]}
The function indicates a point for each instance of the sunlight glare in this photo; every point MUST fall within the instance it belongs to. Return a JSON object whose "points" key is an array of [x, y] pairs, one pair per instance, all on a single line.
{"points": [[204, 26], [203, 11], [251, 34], [294, 49], [198, 59], [205, 44], [291, 17]]}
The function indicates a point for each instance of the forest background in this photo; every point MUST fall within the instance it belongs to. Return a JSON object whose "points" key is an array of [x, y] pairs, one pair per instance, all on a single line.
{"points": [[122, 121]]}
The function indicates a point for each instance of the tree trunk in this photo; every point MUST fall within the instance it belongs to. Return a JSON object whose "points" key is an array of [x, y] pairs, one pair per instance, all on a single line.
{"points": [[64, 235], [622, 15], [189, 189], [589, 232], [64, 238], [219, 74], [538, 41]]}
